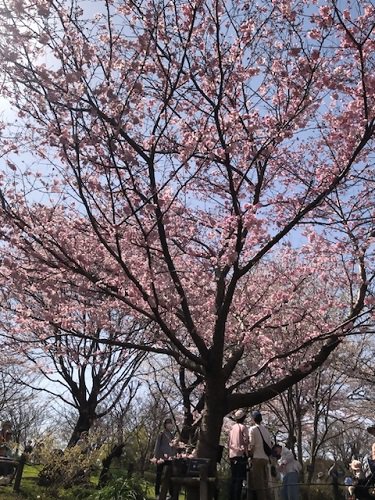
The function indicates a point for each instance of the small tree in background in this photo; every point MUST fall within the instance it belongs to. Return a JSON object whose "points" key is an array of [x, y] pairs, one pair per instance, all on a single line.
{"points": [[77, 361]]}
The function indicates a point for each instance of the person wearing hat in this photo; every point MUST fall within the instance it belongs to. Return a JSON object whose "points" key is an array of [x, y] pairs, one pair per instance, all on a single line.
{"points": [[258, 435], [371, 430], [238, 454]]}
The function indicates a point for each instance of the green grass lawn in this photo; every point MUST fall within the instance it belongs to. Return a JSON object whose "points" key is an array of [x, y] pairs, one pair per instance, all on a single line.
{"points": [[32, 491]]}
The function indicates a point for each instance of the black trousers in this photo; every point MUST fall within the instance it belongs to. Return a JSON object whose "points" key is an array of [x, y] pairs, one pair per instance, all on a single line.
{"points": [[159, 476], [238, 469]]}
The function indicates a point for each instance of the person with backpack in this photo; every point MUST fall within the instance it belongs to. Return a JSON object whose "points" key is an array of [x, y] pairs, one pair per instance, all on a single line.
{"points": [[260, 450]]}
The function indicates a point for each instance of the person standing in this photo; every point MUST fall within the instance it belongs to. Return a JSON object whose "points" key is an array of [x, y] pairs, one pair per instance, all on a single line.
{"points": [[6, 434], [238, 454], [334, 473], [164, 452], [260, 461], [5, 438], [290, 469], [371, 430], [28, 447], [274, 478]]}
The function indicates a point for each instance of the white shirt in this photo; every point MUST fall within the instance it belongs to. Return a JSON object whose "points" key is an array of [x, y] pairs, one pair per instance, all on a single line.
{"points": [[256, 441], [287, 462]]}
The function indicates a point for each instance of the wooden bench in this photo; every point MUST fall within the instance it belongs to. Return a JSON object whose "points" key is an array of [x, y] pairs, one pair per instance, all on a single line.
{"points": [[19, 464], [203, 482]]}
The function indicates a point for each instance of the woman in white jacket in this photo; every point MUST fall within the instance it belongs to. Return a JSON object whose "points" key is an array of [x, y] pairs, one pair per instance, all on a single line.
{"points": [[290, 469]]}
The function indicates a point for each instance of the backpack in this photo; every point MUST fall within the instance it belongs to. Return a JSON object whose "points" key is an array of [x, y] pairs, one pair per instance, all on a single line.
{"points": [[267, 449]]}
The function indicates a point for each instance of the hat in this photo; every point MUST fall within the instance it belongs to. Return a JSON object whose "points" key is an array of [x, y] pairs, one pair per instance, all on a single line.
{"points": [[256, 414], [371, 430], [355, 465], [239, 414]]}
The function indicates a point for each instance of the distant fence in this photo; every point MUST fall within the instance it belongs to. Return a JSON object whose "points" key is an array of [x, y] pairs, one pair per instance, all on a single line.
{"points": [[203, 483]]}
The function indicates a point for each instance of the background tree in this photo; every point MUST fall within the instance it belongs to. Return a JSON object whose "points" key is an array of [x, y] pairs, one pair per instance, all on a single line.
{"points": [[182, 392], [18, 402], [314, 414], [76, 357], [92, 382], [136, 427]]}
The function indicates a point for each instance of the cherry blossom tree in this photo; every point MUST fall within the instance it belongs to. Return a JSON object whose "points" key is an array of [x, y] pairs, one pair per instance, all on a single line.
{"points": [[90, 377], [76, 357], [206, 167]]}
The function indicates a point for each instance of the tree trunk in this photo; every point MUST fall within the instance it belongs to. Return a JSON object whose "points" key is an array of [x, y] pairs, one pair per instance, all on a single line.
{"points": [[311, 469], [300, 445], [209, 435], [104, 475], [84, 423]]}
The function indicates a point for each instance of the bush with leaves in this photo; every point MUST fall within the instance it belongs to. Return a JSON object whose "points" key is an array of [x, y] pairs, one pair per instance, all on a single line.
{"points": [[123, 488], [69, 467]]}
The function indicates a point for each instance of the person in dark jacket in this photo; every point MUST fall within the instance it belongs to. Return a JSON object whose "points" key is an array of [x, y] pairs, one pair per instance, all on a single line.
{"points": [[164, 452], [6, 470]]}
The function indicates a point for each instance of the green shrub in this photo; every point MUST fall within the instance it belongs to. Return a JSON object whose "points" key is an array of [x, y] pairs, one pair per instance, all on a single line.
{"points": [[66, 468], [122, 489]]}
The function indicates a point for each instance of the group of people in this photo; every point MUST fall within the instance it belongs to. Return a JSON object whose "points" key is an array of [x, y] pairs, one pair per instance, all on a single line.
{"points": [[254, 458], [248, 448], [363, 474]]}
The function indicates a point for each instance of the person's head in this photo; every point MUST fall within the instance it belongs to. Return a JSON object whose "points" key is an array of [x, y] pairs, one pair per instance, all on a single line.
{"points": [[6, 425], [240, 416], [276, 450], [356, 467], [291, 441], [257, 416], [168, 424]]}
